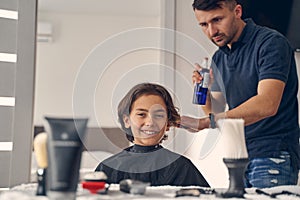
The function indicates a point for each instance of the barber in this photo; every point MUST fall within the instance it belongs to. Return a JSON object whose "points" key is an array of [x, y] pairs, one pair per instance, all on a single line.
{"points": [[254, 73]]}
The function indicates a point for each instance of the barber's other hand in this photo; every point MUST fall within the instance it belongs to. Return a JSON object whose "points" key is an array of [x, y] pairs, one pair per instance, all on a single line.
{"points": [[196, 77], [194, 124]]}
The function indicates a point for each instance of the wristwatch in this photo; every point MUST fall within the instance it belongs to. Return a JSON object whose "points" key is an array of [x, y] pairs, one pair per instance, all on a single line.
{"points": [[212, 120]]}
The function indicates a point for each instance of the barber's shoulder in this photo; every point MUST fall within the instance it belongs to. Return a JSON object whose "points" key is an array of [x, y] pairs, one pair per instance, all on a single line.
{"points": [[270, 38], [266, 33]]}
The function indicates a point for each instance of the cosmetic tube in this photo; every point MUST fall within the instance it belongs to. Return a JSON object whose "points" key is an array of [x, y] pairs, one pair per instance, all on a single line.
{"points": [[65, 145]]}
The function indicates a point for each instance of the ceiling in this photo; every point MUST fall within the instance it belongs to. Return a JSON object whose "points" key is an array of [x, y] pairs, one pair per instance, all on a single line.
{"points": [[111, 7]]}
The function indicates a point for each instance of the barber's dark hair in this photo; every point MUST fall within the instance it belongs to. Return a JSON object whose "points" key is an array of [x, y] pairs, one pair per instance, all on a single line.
{"points": [[208, 5], [125, 105]]}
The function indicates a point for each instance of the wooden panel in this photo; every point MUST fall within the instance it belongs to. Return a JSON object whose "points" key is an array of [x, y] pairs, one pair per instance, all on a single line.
{"points": [[6, 118], [8, 35], [106, 139], [9, 4], [24, 93], [7, 79], [4, 167]]}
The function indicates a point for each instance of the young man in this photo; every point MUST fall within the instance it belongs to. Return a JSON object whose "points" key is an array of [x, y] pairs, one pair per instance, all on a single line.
{"points": [[255, 74]]}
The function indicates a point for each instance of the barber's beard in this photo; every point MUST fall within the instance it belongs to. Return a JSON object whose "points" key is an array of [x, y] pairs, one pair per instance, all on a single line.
{"points": [[224, 41]]}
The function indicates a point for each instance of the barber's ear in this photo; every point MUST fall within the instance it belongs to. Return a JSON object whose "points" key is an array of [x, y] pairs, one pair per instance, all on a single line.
{"points": [[126, 121], [238, 11]]}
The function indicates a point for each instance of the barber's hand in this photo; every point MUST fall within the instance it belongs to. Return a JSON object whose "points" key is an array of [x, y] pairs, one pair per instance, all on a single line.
{"points": [[194, 124], [197, 78]]}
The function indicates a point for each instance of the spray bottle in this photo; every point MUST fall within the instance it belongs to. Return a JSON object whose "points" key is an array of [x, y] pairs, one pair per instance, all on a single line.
{"points": [[200, 89]]}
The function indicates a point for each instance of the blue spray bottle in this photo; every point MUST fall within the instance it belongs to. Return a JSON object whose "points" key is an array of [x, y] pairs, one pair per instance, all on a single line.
{"points": [[200, 89]]}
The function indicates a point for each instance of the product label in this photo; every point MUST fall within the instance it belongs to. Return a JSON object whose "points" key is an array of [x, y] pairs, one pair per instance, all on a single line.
{"points": [[205, 80]]}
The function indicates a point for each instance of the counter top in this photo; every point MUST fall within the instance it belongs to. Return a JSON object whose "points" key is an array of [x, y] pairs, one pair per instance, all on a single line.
{"points": [[27, 192]]}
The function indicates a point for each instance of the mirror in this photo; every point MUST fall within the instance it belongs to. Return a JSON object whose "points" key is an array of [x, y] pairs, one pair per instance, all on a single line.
{"points": [[68, 33]]}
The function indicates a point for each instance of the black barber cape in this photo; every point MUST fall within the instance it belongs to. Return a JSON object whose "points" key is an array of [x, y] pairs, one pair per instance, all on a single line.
{"points": [[153, 164]]}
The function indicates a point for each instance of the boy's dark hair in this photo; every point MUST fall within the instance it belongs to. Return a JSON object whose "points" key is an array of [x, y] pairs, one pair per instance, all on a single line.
{"points": [[207, 5], [125, 105]]}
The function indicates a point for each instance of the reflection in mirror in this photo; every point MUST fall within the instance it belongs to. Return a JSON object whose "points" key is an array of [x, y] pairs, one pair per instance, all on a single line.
{"points": [[68, 32]]}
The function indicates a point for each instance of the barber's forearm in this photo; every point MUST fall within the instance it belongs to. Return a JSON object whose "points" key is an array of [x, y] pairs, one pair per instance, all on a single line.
{"points": [[264, 104], [253, 110], [238, 113], [247, 117]]}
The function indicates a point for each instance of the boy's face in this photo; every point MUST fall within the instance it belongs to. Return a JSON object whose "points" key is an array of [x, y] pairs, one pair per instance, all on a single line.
{"points": [[148, 120]]}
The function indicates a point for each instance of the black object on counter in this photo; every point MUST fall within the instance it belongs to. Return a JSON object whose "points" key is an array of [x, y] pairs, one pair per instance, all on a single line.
{"points": [[236, 169], [133, 186], [41, 181], [65, 145], [195, 192], [188, 192], [274, 195]]}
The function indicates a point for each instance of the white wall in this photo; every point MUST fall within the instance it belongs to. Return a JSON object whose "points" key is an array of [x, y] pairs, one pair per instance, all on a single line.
{"points": [[74, 37]]}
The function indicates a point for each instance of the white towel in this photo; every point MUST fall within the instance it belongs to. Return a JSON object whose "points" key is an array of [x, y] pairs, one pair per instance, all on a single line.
{"points": [[233, 138]]}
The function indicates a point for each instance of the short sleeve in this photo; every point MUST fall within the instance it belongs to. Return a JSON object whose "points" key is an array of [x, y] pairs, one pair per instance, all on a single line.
{"points": [[274, 58]]}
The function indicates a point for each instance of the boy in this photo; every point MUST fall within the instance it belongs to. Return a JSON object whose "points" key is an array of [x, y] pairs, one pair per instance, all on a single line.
{"points": [[145, 114]]}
